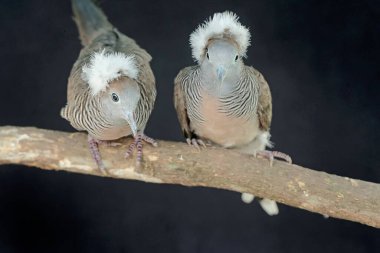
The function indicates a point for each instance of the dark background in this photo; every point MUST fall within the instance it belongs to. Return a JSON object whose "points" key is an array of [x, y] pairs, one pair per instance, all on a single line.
{"points": [[321, 59]]}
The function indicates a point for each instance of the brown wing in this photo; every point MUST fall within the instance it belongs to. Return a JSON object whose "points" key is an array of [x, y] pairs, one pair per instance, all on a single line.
{"points": [[264, 107], [180, 82]]}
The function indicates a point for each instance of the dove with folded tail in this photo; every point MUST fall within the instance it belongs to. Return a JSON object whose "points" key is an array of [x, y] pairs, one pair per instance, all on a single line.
{"points": [[111, 88]]}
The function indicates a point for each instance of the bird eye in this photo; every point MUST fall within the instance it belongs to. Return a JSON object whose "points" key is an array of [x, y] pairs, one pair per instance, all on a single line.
{"points": [[115, 97], [208, 57], [236, 57]]}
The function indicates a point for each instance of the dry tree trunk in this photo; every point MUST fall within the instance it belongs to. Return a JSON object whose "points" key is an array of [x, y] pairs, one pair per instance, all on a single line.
{"points": [[176, 163]]}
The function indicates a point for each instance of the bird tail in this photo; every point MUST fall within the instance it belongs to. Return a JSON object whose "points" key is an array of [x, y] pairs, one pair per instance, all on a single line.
{"points": [[64, 113], [90, 20]]}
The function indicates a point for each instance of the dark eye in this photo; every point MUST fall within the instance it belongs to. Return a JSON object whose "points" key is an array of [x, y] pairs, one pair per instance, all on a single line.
{"points": [[208, 57], [236, 57], [115, 97]]}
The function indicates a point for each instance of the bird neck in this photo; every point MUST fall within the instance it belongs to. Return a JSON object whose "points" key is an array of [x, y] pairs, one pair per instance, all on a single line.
{"points": [[220, 88]]}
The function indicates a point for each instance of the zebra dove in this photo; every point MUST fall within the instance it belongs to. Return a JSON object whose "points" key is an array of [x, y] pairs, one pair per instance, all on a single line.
{"points": [[111, 88], [222, 101]]}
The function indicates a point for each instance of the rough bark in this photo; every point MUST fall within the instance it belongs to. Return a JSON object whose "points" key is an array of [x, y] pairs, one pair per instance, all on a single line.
{"points": [[176, 163]]}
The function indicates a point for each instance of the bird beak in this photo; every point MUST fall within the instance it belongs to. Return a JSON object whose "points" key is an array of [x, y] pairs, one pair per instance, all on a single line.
{"points": [[132, 123], [220, 72]]}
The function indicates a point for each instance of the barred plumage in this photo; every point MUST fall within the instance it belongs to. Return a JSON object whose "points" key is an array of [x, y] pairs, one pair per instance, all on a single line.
{"points": [[84, 111], [243, 100], [221, 100], [121, 106]]}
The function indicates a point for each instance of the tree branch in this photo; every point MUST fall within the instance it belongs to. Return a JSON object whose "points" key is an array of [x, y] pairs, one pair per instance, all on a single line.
{"points": [[176, 163]]}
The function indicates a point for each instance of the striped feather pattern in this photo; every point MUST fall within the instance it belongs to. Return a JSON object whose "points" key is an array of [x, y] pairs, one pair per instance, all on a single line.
{"points": [[84, 111], [191, 84], [242, 101]]}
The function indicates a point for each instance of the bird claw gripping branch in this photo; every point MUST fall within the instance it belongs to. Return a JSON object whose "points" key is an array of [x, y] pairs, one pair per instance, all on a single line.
{"points": [[138, 145], [94, 149], [195, 143], [270, 155], [111, 89]]}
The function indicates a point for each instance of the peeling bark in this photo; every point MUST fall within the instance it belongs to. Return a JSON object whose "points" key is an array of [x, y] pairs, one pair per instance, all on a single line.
{"points": [[176, 163]]}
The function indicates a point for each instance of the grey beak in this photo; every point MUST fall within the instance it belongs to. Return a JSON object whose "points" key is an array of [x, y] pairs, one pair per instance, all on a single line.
{"points": [[220, 73], [132, 123]]}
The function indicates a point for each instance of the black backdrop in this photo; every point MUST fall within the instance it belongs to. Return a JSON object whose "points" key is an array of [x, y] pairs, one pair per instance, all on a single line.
{"points": [[321, 59]]}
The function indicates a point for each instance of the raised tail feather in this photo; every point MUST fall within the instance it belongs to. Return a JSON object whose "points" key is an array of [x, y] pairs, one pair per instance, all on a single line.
{"points": [[90, 19]]}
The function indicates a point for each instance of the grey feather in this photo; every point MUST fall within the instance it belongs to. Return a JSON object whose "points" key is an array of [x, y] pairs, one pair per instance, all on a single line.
{"points": [[87, 112], [223, 101], [242, 102], [90, 20]]}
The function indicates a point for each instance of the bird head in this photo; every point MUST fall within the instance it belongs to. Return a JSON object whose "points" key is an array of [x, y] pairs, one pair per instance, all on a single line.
{"points": [[120, 101], [222, 57], [112, 77], [220, 43]]}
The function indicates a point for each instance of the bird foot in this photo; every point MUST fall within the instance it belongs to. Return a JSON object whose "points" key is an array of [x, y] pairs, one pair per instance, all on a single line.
{"points": [[94, 149], [270, 155], [138, 145], [195, 142], [149, 140]]}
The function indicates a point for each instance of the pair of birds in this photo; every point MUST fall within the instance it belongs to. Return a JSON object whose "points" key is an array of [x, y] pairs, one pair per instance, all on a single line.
{"points": [[111, 89]]}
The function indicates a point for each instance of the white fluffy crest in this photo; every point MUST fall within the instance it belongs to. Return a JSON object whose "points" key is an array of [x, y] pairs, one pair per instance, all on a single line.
{"points": [[221, 25], [106, 67]]}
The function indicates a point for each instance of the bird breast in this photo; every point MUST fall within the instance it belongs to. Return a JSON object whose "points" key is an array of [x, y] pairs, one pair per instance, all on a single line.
{"points": [[223, 129]]}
